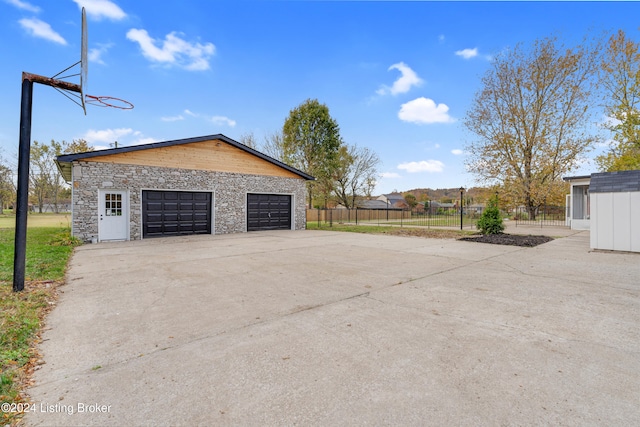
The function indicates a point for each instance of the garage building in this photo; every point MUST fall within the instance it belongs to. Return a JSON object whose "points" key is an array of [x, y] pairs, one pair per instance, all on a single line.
{"points": [[205, 185]]}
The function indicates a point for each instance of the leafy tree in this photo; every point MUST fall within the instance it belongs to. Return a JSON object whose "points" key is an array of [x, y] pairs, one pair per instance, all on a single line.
{"points": [[620, 78], [355, 174], [531, 116], [490, 221], [7, 186], [411, 200], [77, 146], [45, 180], [43, 171], [311, 139]]}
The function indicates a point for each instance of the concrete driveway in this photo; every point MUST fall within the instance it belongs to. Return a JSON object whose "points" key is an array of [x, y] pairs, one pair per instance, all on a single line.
{"points": [[328, 328]]}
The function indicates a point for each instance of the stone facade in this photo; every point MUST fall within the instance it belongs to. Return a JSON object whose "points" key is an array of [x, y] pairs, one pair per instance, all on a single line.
{"points": [[229, 200]]}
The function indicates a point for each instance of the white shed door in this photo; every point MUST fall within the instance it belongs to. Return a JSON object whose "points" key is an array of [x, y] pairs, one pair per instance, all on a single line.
{"points": [[113, 214]]}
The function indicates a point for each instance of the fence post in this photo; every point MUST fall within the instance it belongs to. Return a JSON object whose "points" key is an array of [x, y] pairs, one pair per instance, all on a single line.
{"points": [[461, 192], [356, 215]]}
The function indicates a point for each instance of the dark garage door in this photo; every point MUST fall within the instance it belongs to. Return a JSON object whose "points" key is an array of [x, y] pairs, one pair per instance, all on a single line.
{"points": [[175, 213], [268, 212]]}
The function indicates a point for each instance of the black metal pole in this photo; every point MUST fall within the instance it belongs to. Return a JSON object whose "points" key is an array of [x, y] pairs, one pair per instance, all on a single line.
{"points": [[24, 150], [461, 191]]}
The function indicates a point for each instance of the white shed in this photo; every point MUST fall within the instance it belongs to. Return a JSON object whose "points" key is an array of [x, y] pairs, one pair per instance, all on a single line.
{"points": [[615, 210]]}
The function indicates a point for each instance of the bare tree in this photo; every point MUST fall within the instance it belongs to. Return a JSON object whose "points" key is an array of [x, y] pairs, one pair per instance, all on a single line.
{"points": [[273, 145], [249, 140], [355, 175], [531, 118]]}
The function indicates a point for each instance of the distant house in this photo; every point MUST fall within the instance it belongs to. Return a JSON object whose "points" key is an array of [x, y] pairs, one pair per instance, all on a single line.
{"points": [[373, 204], [476, 208], [435, 205], [393, 200]]}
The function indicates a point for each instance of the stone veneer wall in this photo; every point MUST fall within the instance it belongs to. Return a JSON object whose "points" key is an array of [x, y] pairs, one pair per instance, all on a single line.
{"points": [[229, 194]]}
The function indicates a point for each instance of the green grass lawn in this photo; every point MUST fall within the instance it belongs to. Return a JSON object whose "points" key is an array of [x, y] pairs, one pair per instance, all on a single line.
{"points": [[37, 220], [435, 233], [48, 251]]}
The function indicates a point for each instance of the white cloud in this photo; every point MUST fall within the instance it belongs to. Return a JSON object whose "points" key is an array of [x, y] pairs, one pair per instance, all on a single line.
{"points": [[106, 138], [23, 5], [174, 50], [441, 38], [608, 143], [173, 118], [608, 121], [106, 135], [424, 110], [222, 120], [390, 175], [218, 120], [141, 141], [95, 54], [408, 78], [41, 29], [468, 53], [98, 9], [457, 152], [422, 166]]}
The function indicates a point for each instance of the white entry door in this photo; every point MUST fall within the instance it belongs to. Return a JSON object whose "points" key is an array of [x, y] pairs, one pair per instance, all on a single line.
{"points": [[113, 215]]}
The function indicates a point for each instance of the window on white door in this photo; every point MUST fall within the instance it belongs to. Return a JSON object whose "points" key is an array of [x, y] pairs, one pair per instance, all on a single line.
{"points": [[113, 204]]}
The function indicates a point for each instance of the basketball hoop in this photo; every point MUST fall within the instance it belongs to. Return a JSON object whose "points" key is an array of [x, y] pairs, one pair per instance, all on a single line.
{"points": [[84, 60], [77, 92], [108, 101]]}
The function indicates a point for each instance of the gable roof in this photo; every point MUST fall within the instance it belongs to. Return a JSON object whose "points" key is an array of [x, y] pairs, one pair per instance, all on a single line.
{"points": [[64, 161], [374, 204], [394, 197]]}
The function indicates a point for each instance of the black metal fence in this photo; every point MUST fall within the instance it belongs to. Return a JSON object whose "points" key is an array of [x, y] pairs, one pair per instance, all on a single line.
{"points": [[437, 217], [549, 216], [432, 217]]}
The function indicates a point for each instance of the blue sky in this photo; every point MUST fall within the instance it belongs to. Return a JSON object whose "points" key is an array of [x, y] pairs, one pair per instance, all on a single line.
{"points": [[397, 76]]}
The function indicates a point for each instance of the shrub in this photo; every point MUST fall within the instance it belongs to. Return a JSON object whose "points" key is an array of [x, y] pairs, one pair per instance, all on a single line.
{"points": [[491, 221]]}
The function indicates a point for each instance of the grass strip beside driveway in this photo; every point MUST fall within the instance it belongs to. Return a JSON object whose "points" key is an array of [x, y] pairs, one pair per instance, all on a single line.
{"points": [[21, 313]]}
